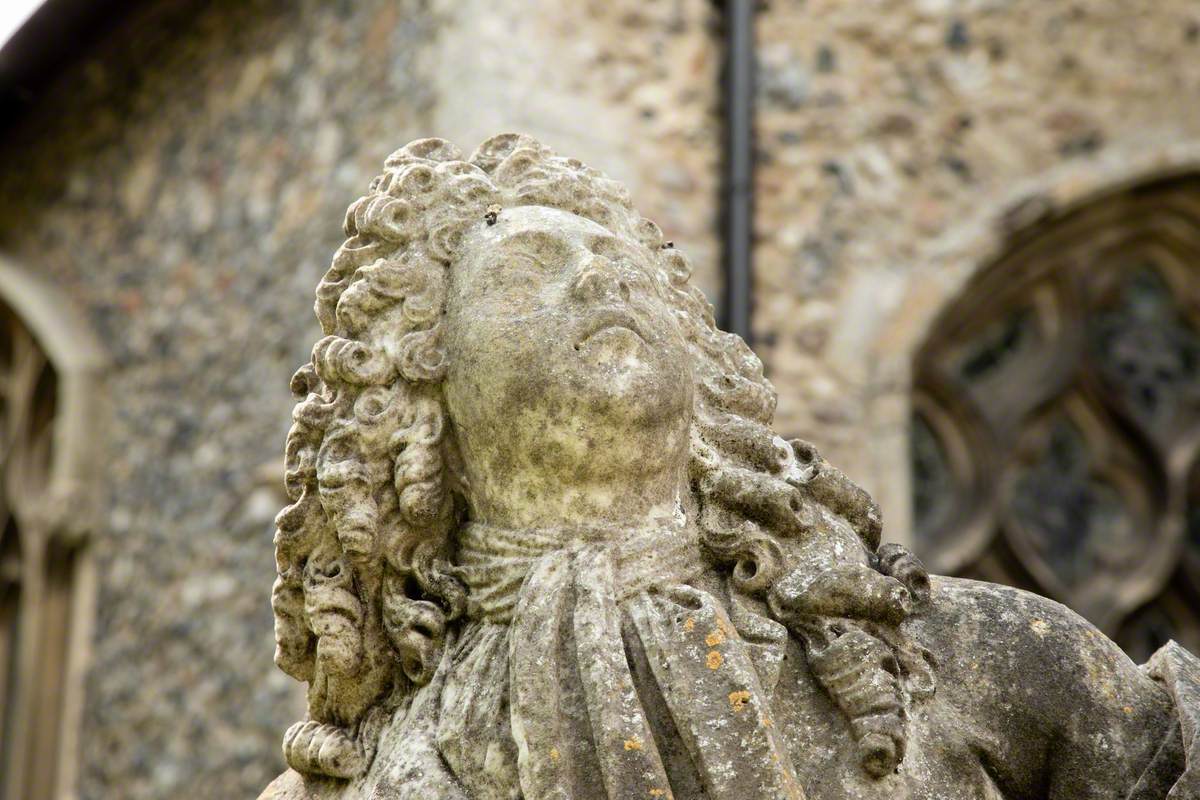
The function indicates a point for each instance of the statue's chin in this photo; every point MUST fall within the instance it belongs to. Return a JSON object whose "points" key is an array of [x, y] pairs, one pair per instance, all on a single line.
{"points": [[632, 384]]}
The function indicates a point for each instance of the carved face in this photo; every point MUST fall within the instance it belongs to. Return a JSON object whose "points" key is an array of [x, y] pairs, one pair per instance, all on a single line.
{"points": [[567, 371]]}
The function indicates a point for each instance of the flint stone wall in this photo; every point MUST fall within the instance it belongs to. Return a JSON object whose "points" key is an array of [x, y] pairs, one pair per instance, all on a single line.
{"points": [[899, 141]]}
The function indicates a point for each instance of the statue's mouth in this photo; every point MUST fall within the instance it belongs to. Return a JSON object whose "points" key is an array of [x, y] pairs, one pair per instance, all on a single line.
{"points": [[607, 319]]}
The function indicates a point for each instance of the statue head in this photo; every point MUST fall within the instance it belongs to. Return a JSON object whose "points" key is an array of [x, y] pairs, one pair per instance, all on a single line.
{"points": [[508, 340], [568, 385]]}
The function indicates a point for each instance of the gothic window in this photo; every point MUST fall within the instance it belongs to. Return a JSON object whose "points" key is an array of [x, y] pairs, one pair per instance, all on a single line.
{"points": [[1056, 430], [44, 573]]}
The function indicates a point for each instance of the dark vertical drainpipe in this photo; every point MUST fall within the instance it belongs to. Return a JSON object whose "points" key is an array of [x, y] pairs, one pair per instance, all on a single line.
{"points": [[737, 196]]}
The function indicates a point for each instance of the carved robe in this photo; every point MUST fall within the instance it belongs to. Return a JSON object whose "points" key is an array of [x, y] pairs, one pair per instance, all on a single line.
{"points": [[616, 666], [558, 684]]}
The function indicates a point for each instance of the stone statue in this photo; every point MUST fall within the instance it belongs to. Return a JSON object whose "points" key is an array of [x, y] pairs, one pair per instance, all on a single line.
{"points": [[543, 543]]}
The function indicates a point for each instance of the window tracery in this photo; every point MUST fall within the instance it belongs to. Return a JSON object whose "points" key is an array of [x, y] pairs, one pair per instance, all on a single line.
{"points": [[1055, 443], [48, 370], [34, 566]]}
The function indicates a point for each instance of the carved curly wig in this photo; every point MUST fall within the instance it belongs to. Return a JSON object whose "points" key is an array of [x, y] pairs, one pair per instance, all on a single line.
{"points": [[364, 549]]}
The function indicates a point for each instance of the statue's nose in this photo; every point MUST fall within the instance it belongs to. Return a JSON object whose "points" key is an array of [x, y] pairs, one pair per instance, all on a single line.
{"points": [[597, 278]]}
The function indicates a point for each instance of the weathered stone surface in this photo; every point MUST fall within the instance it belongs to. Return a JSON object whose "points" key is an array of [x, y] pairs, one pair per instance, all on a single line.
{"points": [[543, 542]]}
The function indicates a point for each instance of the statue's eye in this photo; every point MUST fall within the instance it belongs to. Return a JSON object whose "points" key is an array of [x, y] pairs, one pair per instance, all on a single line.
{"points": [[512, 274]]}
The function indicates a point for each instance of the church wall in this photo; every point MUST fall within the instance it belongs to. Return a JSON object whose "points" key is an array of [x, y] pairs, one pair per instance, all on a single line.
{"points": [[186, 185], [899, 142]]}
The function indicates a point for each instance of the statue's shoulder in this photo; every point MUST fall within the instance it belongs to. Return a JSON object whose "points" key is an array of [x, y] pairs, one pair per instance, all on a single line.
{"points": [[964, 611], [969, 621], [405, 762], [291, 785], [1040, 679]]}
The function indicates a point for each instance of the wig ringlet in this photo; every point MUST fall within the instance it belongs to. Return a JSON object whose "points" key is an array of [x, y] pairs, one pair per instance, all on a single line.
{"points": [[364, 550]]}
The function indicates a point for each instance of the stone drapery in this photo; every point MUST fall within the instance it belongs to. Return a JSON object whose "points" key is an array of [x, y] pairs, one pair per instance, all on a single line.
{"points": [[571, 639]]}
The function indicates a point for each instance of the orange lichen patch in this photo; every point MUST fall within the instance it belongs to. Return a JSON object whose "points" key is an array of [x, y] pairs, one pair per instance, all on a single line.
{"points": [[714, 638], [657, 792], [633, 743], [738, 700], [766, 721], [689, 623], [714, 659], [1128, 709], [554, 754]]}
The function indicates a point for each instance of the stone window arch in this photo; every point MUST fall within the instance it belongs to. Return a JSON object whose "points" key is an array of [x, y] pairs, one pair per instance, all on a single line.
{"points": [[1055, 442], [50, 417]]}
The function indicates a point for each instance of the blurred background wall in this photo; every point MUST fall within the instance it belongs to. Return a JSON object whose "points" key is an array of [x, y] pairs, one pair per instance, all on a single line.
{"points": [[973, 234]]}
